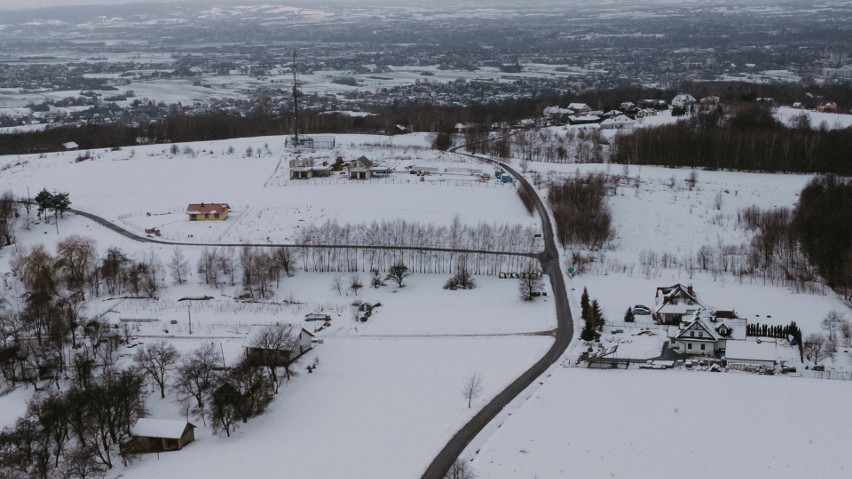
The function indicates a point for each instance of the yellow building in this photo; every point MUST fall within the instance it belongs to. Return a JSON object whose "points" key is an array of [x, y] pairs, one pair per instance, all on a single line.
{"points": [[208, 211]]}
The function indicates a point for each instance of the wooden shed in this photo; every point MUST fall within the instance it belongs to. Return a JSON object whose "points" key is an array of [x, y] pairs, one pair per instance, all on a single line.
{"points": [[160, 435]]}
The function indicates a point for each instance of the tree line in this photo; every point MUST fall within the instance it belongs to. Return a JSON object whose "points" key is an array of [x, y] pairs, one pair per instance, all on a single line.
{"points": [[218, 125], [750, 140], [823, 225]]}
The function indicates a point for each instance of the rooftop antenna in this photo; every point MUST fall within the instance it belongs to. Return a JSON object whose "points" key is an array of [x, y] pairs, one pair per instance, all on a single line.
{"points": [[296, 95]]}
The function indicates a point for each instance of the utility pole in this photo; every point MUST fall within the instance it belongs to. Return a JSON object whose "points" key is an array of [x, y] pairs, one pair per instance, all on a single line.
{"points": [[189, 313]]}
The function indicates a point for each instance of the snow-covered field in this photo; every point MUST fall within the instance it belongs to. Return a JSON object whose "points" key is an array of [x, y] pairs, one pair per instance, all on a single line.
{"points": [[647, 424], [829, 121], [125, 185], [387, 393]]}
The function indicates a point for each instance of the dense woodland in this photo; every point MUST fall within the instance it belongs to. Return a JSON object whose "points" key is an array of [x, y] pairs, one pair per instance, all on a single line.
{"points": [[750, 139], [581, 212], [823, 225]]}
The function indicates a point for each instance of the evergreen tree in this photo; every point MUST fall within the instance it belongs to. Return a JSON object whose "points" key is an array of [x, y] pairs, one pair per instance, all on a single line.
{"points": [[585, 307], [588, 333], [629, 317], [597, 316]]}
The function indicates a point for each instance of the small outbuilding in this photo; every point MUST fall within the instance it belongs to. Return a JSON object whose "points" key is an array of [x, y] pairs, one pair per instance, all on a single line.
{"points": [[160, 435], [752, 353], [277, 344]]}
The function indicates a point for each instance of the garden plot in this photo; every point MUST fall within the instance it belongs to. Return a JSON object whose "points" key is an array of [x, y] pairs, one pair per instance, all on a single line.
{"points": [[650, 423], [421, 308]]}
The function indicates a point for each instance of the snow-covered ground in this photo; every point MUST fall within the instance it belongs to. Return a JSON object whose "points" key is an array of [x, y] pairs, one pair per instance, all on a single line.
{"points": [[646, 424], [387, 393], [829, 121], [126, 185]]}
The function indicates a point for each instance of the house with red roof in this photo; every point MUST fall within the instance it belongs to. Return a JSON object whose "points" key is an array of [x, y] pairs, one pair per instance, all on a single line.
{"points": [[208, 211]]}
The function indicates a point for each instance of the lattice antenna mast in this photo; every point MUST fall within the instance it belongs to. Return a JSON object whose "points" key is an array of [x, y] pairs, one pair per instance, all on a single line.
{"points": [[296, 95]]}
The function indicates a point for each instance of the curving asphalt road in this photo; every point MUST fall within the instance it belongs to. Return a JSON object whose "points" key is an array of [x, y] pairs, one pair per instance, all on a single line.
{"points": [[564, 333]]}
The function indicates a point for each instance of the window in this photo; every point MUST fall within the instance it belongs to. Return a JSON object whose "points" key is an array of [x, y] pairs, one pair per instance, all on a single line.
{"points": [[692, 334], [193, 217], [206, 216], [689, 346], [216, 215], [701, 334], [702, 347]]}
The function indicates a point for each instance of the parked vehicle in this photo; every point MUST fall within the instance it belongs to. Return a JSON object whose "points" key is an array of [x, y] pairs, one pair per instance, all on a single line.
{"points": [[641, 309]]}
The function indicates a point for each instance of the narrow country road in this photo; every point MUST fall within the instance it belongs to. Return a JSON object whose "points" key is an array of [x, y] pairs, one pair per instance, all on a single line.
{"points": [[564, 333], [146, 239]]}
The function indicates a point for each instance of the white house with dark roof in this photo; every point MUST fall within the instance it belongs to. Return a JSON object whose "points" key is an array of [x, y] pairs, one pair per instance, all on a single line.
{"points": [[361, 169], [706, 334], [618, 122]]}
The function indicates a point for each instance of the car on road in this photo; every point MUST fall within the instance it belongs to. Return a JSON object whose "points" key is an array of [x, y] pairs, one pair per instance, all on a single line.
{"points": [[641, 309]]}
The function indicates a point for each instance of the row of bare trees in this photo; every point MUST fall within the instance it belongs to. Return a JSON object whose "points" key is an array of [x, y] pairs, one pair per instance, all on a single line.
{"points": [[552, 146], [399, 232]]}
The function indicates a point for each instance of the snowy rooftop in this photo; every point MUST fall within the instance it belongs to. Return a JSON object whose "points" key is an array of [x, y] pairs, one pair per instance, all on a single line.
{"points": [[765, 350], [206, 208], [147, 427]]}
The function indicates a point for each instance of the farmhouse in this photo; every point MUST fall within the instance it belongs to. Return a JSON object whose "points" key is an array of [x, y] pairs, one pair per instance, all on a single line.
{"points": [[305, 169], [159, 435], [617, 122], [579, 108], [706, 334], [277, 344], [583, 119], [675, 302], [208, 211], [364, 169], [827, 107], [360, 169], [683, 100]]}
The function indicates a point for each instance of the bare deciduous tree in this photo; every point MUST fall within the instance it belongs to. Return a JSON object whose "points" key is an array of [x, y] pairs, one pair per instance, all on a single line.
{"points": [[460, 470], [397, 273], [530, 284], [472, 388], [273, 348], [197, 373], [355, 283], [832, 323], [815, 348], [156, 360], [178, 266], [337, 284]]}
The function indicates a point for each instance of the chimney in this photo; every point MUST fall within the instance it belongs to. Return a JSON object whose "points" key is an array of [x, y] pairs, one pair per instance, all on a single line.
{"points": [[689, 289]]}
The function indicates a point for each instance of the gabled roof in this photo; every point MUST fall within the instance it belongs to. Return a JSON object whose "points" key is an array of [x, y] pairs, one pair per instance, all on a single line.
{"points": [[670, 293], [364, 162], [578, 107], [205, 208], [698, 325], [618, 120], [147, 427]]}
